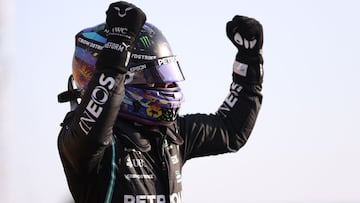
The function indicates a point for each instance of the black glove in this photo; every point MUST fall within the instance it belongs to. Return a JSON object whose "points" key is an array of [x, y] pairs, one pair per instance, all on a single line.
{"points": [[124, 22], [247, 35]]}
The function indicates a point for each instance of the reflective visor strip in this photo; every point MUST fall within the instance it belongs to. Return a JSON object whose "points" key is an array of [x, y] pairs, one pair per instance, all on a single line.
{"points": [[110, 189], [162, 70]]}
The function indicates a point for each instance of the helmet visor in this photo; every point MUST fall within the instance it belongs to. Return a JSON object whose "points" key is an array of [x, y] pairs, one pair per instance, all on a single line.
{"points": [[163, 70]]}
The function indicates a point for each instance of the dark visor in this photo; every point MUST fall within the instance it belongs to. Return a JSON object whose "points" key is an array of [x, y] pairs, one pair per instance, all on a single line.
{"points": [[163, 70]]}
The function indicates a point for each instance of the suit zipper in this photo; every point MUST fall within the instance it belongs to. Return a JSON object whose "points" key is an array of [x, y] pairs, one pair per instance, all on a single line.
{"points": [[165, 167]]}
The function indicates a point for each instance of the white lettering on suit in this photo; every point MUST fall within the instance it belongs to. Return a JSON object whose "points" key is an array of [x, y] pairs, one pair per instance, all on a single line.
{"points": [[174, 198], [99, 96], [232, 98]]}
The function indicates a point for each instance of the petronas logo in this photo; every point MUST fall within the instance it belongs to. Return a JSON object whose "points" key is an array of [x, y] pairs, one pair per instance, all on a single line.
{"points": [[145, 41]]}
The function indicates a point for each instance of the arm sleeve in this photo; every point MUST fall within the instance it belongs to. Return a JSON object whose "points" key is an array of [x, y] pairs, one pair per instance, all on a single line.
{"points": [[229, 128], [87, 131]]}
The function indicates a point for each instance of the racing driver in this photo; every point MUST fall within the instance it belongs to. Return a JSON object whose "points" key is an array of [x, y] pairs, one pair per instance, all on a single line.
{"points": [[123, 140]]}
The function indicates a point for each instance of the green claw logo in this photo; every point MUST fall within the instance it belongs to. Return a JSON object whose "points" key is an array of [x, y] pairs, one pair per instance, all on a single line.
{"points": [[145, 41]]}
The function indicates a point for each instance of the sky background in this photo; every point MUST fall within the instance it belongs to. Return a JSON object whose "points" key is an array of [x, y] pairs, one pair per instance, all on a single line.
{"points": [[305, 147]]}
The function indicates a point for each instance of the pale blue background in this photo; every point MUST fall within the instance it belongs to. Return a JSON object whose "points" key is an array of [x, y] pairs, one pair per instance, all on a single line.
{"points": [[305, 145]]}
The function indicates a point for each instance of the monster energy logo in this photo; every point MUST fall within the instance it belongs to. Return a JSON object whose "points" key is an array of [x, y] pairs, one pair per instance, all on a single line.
{"points": [[145, 41]]}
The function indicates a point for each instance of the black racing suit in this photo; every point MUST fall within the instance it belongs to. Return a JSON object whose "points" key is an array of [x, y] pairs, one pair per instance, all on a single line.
{"points": [[109, 159]]}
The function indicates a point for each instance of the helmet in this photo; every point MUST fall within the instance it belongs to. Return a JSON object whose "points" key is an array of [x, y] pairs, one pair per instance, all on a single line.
{"points": [[152, 95]]}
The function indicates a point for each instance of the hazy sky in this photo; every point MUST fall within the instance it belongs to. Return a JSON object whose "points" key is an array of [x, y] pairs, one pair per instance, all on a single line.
{"points": [[305, 146]]}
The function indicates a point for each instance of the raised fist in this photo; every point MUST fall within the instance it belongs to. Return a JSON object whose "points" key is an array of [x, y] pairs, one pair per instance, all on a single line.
{"points": [[124, 22], [124, 19], [246, 34]]}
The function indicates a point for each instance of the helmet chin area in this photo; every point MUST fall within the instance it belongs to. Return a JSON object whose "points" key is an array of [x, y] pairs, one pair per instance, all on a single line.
{"points": [[151, 105]]}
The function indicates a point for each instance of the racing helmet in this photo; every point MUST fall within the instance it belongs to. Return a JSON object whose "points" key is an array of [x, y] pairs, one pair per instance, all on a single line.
{"points": [[152, 95]]}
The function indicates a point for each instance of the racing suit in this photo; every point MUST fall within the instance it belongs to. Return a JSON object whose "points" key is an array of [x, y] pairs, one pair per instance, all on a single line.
{"points": [[121, 161], [110, 159]]}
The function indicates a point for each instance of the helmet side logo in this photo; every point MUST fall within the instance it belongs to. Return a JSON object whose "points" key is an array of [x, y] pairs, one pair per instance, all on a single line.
{"points": [[145, 41]]}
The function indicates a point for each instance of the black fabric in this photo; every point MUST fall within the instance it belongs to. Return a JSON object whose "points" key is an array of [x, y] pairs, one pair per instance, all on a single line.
{"points": [[247, 36], [249, 29], [69, 96], [124, 22], [149, 159]]}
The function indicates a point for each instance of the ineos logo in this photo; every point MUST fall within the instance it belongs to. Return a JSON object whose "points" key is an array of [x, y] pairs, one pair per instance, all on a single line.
{"points": [[231, 99], [100, 95]]}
